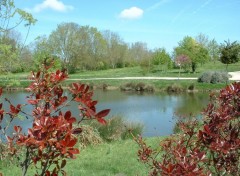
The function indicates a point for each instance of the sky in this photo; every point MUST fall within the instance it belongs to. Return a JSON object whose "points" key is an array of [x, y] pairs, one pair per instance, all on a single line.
{"points": [[158, 23]]}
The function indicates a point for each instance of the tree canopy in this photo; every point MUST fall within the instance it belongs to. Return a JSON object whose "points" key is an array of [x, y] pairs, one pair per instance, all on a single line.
{"points": [[230, 52], [195, 51]]}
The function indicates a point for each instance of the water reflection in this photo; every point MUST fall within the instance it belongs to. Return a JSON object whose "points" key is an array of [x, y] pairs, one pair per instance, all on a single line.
{"points": [[155, 111]]}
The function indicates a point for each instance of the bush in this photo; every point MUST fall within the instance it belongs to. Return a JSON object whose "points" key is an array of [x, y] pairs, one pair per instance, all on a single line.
{"points": [[89, 136], [219, 77], [117, 129], [214, 77], [51, 139], [207, 147], [206, 77], [174, 88]]}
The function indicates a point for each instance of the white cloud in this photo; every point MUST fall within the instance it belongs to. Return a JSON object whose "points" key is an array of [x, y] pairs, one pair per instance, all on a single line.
{"points": [[131, 13], [52, 4]]}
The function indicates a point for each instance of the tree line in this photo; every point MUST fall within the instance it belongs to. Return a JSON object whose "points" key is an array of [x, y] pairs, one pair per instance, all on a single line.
{"points": [[75, 47]]}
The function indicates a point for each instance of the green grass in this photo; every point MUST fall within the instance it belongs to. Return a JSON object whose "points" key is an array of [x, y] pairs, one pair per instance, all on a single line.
{"points": [[137, 71], [107, 159], [12, 80]]}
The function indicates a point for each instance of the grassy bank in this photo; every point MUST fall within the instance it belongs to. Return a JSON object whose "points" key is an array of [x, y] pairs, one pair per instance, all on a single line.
{"points": [[19, 80], [107, 159]]}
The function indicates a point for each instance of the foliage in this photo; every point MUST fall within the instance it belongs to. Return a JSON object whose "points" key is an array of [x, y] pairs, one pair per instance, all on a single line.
{"points": [[10, 45], [161, 57], [42, 50], [89, 136], [9, 11], [212, 148], [195, 51], [52, 137], [230, 52], [214, 77], [117, 128], [183, 61], [174, 88]]}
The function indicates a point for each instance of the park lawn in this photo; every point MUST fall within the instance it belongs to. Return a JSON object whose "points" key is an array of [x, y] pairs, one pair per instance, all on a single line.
{"points": [[12, 80], [138, 72], [107, 159]]}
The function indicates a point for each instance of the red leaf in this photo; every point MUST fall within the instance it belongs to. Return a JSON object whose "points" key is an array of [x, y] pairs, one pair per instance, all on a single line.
{"points": [[72, 142], [77, 131], [18, 129], [73, 151], [33, 102], [67, 115], [102, 113], [102, 121], [0, 91]]}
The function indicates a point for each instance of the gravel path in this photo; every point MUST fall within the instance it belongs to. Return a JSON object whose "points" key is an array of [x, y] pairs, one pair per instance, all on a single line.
{"points": [[235, 77]]}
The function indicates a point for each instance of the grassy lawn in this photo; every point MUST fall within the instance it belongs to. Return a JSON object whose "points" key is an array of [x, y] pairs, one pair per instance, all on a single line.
{"points": [[12, 80], [137, 71], [107, 159]]}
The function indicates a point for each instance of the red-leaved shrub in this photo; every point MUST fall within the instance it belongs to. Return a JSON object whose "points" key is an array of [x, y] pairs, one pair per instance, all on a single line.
{"points": [[207, 147], [52, 137]]}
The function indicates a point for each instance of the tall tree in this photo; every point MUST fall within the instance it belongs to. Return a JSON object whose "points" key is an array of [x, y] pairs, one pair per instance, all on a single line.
{"points": [[64, 43], [230, 52], [116, 49], [195, 51], [161, 58], [213, 50], [202, 39]]}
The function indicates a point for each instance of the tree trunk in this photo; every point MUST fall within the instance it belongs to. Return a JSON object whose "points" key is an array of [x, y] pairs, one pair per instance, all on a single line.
{"points": [[193, 67]]}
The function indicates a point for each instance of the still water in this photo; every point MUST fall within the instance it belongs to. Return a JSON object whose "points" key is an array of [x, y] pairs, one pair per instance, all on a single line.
{"points": [[155, 111]]}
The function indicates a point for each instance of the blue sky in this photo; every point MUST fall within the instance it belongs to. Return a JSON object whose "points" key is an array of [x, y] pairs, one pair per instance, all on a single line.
{"points": [[159, 23]]}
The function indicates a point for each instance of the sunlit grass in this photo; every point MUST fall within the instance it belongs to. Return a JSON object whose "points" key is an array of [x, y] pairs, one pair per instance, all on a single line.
{"points": [[107, 159]]}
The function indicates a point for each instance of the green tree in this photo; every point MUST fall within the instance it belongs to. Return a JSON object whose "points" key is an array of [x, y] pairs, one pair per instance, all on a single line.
{"points": [[116, 49], [9, 48], [230, 52], [42, 51], [213, 50], [9, 45], [161, 58], [195, 51], [63, 42]]}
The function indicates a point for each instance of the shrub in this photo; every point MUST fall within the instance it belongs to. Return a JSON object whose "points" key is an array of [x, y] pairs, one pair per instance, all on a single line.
{"points": [[206, 77], [214, 77], [51, 139], [89, 136], [174, 88], [219, 77], [211, 147], [117, 129]]}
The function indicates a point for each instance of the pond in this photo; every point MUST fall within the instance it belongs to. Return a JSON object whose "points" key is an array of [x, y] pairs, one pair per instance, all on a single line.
{"points": [[156, 110]]}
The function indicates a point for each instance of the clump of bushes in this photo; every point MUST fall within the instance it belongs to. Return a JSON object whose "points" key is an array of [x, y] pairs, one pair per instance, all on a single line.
{"points": [[89, 136], [174, 88], [214, 77], [137, 87], [117, 129]]}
